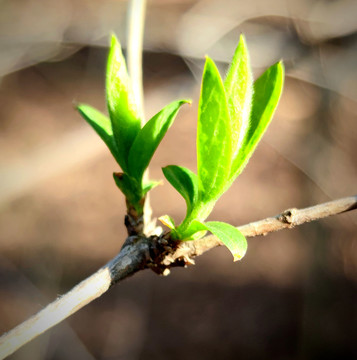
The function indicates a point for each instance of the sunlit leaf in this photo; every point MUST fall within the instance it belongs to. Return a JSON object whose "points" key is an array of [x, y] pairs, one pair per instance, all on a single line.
{"points": [[239, 89], [230, 236], [184, 181], [122, 108], [101, 124], [267, 90], [149, 138], [214, 135], [150, 185]]}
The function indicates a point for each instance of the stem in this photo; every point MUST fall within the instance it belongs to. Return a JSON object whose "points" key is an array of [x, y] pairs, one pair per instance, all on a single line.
{"points": [[136, 20], [200, 213], [135, 256], [288, 219]]}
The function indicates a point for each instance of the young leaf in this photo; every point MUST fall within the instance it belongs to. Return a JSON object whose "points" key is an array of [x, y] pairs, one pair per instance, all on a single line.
{"points": [[149, 138], [101, 124], [239, 89], [185, 182], [150, 185], [267, 91], [230, 236], [167, 221], [122, 108], [214, 135]]}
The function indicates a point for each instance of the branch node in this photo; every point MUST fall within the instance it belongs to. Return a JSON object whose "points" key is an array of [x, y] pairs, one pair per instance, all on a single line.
{"points": [[288, 217]]}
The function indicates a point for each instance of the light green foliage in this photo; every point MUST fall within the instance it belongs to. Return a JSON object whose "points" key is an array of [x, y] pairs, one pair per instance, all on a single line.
{"points": [[232, 118], [185, 182], [122, 108], [149, 138], [214, 135], [228, 234], [132, 146], [267, 91], [238, 85], [102, 125]]}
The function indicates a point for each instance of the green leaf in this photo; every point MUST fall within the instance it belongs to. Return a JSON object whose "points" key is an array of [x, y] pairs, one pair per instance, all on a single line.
{"points": [[129, 187], [149, 138], [267, 90], [239, 89], [185, 182], [150, 185], [214, 135], [122, 107], [101, 124], [230, 236]]}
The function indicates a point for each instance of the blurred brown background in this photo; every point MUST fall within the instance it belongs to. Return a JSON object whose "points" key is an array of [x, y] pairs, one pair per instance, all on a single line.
{"points": [[294, 295]]}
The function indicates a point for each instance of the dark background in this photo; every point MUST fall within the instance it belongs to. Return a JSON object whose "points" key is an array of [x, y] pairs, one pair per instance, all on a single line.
{"points": [[61, 217]]}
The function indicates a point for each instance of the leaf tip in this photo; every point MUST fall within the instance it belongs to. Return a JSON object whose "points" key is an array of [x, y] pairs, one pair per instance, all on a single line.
{"points": [[281, 66], [113, 40], [209, 59], [81, 108], [76, 105], [242, 39], [118, 175], [167, 221], [238, 256]]}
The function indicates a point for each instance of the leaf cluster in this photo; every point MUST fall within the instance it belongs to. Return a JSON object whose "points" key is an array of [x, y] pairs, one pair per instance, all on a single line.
{"points": [[232, 117], [131, 146]]}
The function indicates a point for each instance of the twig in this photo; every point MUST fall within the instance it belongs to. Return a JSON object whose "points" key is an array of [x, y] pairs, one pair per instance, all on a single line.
{"points": [[139, 253], [136, 21], [288, 219], [125, 264]]}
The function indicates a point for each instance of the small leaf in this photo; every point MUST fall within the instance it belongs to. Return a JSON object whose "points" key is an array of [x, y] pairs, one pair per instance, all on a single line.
{"points": [[239, 89], [122, 108], [101, 124], [167, 221], [230, 236], [185, 182], [149, 138], [150, 185], [267, 91], [214, 135]]}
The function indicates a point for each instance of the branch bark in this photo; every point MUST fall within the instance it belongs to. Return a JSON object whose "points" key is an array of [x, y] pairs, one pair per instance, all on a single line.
{"points": [[158, 254]]}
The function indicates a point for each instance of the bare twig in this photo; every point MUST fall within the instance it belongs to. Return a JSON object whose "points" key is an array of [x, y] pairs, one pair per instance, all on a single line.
{"points": [[130, 260], [286, 220], [136, 21], [158, 254]]}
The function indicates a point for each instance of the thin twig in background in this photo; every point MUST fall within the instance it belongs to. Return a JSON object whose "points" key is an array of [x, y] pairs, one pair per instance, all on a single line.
{"points": [[136, 21], [135, 256]]}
